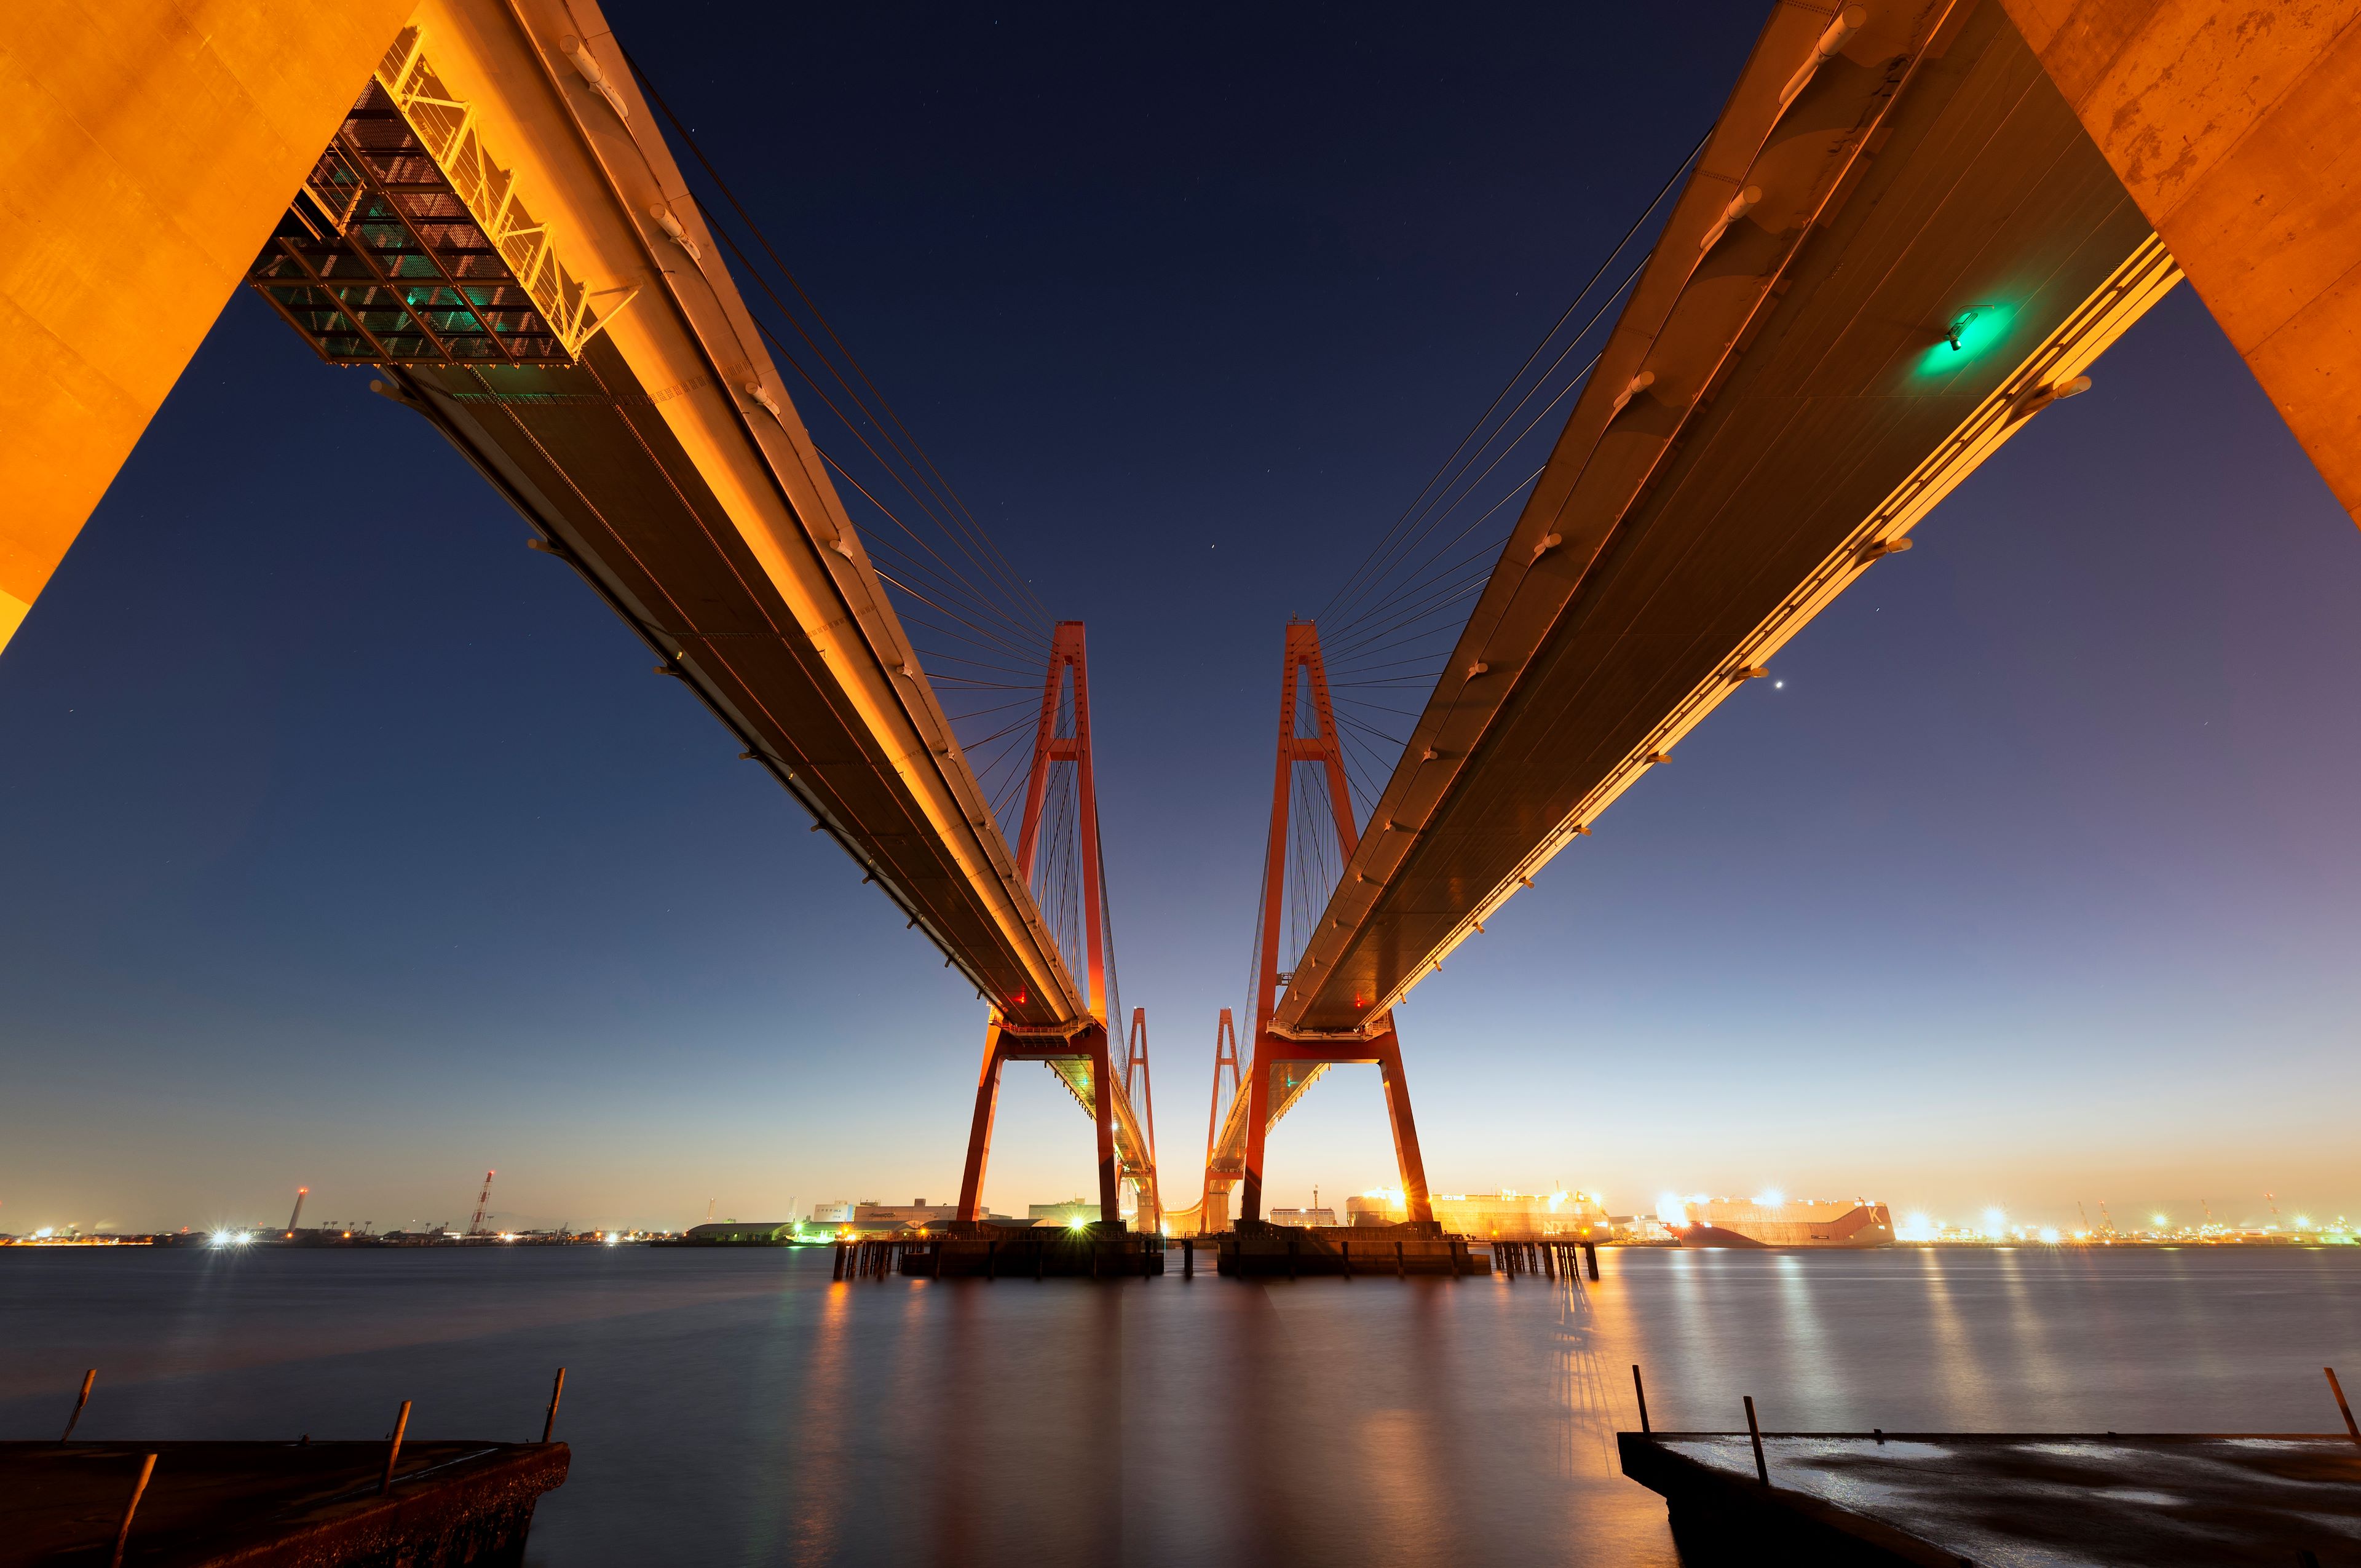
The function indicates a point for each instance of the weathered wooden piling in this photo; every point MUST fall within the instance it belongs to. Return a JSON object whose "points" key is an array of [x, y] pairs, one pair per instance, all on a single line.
{"points": [[91, 1377], [394, 1449], [138, 1490]]}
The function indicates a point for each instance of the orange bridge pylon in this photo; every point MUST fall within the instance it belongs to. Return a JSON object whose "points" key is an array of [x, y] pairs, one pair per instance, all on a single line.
{"points": [[1284, 1065], [1079, 1052]]}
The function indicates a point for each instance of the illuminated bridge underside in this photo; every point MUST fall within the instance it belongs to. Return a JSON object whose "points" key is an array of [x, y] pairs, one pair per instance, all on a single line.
{"points": [[1806, 411], [1289, 1079], [665, 463], [586, 453], [1135, 1161]]}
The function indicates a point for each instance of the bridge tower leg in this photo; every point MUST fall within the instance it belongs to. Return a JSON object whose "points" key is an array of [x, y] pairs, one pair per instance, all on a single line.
{"points": [[1103, 1113], [979, 1137], [1302, 667]]}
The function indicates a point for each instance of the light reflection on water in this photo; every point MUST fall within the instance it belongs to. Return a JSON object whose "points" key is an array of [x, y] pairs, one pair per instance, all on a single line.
{"points": [[737, 1407]]}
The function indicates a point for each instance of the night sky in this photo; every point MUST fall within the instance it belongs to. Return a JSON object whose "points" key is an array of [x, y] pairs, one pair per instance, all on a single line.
{"points": [[350, 843]]}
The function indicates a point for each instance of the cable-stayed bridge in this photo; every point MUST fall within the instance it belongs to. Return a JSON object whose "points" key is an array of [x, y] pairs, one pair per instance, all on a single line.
{"points": [[1912, 229]]}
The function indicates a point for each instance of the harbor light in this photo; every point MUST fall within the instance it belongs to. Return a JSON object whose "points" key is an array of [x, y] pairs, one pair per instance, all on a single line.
{"points": [[2302, 1223], [1996, 1222], [1076, 1224], [1772, 1198], [1670, 1210], [2049, 1234], [2161, 1221]]}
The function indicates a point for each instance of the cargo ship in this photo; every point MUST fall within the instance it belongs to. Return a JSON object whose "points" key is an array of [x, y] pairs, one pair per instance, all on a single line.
{"points": [[1814, 1223]]}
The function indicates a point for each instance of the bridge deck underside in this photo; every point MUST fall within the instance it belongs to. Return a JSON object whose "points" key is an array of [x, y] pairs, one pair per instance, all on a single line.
{"points": [[1980, 190], [1134, 1158], [586, 453], [1289, 1081]]}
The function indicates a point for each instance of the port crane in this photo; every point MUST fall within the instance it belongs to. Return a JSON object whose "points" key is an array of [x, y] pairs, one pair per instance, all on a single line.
{"points": [[476, 1225]]}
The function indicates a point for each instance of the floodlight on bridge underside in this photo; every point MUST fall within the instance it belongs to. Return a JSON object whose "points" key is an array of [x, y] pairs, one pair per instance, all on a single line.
{"points": [[409, 245], [1971, 335]]}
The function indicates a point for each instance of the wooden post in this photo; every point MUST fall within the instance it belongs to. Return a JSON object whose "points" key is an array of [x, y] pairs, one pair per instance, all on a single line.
{"points": [[1642, 1390], [2334, 1386], [91, 1377], [394, 1449], [1347, 1249], [1187, 1257], [1761, 1471], [1400, 1271], [1590, 1259], [556, 1391], [139, 1489]]}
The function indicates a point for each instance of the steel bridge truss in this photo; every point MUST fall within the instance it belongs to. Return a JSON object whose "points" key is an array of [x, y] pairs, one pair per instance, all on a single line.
{"points": [[407, 245]]}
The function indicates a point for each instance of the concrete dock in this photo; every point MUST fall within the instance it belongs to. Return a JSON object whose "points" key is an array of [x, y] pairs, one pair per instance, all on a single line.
{"points": [[1961, 1500], [1257, 1249], [273, 1505], [1002, 1252]]}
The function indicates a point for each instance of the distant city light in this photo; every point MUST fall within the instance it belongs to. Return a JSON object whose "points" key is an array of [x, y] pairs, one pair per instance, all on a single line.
{"points": [[2302, 1223], [1915, 1228], [1772, 1198], [2050, 1233], [2161, 1221], [1996, 1222], [46, 1231]]}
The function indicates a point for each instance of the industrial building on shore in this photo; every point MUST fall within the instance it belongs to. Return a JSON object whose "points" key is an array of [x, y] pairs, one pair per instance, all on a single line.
{"points": [[1774, 1221]]}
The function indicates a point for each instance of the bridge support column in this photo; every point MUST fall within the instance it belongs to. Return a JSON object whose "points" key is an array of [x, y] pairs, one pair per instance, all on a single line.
{"points": [[1258, 1088], [1407, 1158], [100, 308], [979, 1137], [1102, 1113], [2252, 186], [1384, 1052]]}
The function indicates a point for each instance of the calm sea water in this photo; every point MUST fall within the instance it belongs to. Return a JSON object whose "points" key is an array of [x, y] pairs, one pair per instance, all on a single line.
{"points": [[739, 1407]]}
